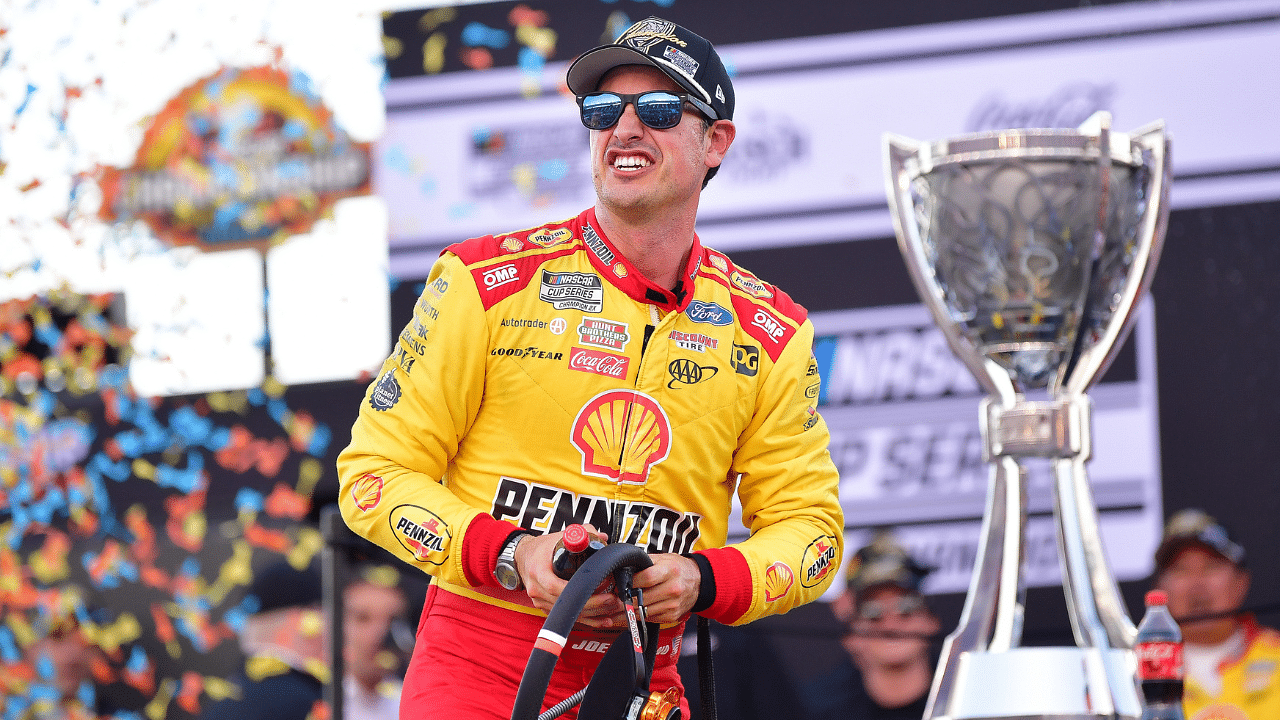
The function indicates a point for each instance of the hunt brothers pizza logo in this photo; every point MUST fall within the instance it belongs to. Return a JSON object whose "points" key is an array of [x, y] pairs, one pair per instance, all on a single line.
{"points": [[240, 159]]}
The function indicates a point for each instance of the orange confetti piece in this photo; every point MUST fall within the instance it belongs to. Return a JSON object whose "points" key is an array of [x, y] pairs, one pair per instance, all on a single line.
{"points": [[285, 502]]}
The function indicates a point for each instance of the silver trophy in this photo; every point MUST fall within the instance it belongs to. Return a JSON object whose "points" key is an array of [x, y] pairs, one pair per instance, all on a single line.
{"points": [[1032, 248]]}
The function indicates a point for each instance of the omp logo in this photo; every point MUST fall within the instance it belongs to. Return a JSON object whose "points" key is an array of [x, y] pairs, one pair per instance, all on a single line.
{"points": [[621, 434], [745, 360], [819, 560], [421, 532], [777, 581], [751, 286], [769, 324], [600, 363], [500, 275], [687, 372], [367, 492], [548, 509]]}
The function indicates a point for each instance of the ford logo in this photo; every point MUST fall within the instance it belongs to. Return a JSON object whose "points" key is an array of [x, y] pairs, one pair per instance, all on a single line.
{"points": [[708, 312]]}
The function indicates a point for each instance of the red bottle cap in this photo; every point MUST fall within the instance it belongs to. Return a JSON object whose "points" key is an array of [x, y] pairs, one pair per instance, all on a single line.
{"points": [[575, 538], [1157, 597]]}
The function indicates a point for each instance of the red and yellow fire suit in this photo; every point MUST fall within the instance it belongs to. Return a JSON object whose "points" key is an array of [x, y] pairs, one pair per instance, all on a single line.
{"points": [[544, 381], [1250, 681]]}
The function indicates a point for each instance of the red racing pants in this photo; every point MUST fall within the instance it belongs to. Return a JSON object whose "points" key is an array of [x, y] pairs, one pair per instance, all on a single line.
{"points": [[469, 657]]}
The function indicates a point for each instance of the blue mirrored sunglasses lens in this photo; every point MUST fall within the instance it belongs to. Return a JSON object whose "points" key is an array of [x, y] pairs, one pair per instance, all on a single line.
{"points": [[601, 111], [659, 110]]}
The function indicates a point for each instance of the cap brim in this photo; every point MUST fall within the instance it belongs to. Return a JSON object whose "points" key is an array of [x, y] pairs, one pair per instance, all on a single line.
{"points": [[585, 73], [1170, 548]]}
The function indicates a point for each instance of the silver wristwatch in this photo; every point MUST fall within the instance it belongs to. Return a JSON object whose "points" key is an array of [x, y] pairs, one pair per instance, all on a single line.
{"points": [[505, 570]]}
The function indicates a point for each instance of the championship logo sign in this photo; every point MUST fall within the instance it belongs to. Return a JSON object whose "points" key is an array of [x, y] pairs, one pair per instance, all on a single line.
{"points": [[239, 159]]}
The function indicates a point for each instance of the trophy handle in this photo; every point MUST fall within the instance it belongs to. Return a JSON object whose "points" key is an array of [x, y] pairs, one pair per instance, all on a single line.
{"points": [[1095, 358]]}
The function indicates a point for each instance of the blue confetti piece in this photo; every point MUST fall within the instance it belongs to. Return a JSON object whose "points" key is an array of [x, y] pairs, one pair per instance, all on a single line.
{"points": [[31, 90], [235, 619], [396, 159], [185, 480], [530, 60], [427, 187], [320, 440], [16, 707], [293, 129], [45, 667], [553, 170], [300, 82], [189, 426], [43, 691], [256, 396], [478, 34], [218, 439], [8, 646], [190, 567], [278, 410], [137, 661], [249, 499], [86, 694]]}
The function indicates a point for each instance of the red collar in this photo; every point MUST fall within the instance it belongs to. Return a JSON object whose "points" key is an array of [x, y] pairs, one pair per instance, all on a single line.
{"points": [[619, 271]]}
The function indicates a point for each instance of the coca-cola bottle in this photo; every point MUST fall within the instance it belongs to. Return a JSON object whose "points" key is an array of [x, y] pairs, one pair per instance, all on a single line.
{"points": [[1159, 649], [573, 549]]}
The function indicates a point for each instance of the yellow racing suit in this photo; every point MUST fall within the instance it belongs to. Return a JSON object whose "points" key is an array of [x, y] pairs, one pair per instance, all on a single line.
{"points": [[1250, 681], [544, 381]]}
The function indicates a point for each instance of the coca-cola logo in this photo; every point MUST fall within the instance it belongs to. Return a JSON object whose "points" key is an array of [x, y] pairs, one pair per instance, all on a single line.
{"points": [[1066, 107], [1159, 660], [600, 363]]}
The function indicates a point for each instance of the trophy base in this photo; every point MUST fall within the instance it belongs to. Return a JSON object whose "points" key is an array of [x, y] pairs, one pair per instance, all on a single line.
{"points": [[1063, 683]]}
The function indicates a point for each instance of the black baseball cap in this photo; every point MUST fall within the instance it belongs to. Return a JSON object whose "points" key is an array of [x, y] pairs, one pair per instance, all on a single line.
{"points": [[684, 56], [281, 585], [1194, 526], [884, 562]]}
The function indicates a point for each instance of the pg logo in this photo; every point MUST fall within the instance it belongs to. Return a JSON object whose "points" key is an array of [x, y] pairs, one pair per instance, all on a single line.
{"points": [[745, 360]]}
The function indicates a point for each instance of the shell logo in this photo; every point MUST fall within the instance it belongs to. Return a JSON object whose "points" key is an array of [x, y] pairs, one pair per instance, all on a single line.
{"points": [[621, 435], [777, 581], [367, 492]]}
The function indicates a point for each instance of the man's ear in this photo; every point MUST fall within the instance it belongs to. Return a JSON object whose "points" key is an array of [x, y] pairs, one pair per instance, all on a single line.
{"points": [[720, 136]]}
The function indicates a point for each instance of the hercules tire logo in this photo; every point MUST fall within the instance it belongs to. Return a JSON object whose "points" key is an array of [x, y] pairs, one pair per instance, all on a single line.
{"points": [[621, 435]]}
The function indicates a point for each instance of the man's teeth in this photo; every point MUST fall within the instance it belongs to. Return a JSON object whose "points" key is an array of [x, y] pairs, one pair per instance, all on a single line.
{"points": [[629, 161]]}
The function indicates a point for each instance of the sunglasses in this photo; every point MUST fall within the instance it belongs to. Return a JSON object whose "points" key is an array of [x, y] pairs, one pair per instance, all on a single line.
{"points": [[658, 109], [906, 605]]}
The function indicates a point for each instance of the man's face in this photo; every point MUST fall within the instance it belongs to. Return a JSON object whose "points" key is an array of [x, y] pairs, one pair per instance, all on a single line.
{"points": [[1199, 582], [890, 609], [637, 168], [369, 610]]}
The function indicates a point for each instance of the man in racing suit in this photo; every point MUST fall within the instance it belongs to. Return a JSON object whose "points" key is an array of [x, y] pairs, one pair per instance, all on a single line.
{"points": [[606, 369]]}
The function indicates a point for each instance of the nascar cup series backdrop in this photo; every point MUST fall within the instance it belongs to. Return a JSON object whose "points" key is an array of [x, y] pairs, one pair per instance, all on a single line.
{"points": [[173, 407]]}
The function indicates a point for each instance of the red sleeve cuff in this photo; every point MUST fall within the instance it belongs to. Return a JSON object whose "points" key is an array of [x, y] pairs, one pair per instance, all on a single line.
{"points": [[481, 543], [733, 585]]}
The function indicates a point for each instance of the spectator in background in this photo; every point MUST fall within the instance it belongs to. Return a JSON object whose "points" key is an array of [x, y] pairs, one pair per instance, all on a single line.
{"points": [[283, 643], [888, 668], [1232, 664], [374, 607]]}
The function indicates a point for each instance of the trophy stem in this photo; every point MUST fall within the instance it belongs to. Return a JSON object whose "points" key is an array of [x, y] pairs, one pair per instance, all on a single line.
{"points": [[993, 608]]}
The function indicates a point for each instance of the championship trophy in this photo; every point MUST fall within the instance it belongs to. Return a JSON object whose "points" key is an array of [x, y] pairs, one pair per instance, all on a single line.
{"points": [[1032, 248]]}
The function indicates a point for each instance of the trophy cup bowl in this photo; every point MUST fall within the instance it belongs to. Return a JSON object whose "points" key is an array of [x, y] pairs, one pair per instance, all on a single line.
{"points": [[1032, 248]]}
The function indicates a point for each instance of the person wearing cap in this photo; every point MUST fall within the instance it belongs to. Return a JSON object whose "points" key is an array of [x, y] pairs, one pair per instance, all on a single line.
{"points": [[609, 370], [373, 605], [888, 667], [1232, 663], [283, 640]]}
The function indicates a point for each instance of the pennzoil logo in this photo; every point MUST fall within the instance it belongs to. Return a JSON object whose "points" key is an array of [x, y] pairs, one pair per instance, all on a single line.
{"points": [[242, 158], [550, 238], [621, 435], [421, 532], [548, 509], [597, 246], [778, 580], [367, 492], [751, 285], [819, 561]]}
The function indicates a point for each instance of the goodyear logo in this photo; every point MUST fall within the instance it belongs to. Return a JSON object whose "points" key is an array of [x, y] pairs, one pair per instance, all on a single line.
{"points": [[421, 532], [819, 561]]}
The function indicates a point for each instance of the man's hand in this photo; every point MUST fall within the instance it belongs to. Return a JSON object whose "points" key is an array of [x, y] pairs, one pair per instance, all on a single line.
{"points": [[533, 559], [670, 587]]}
